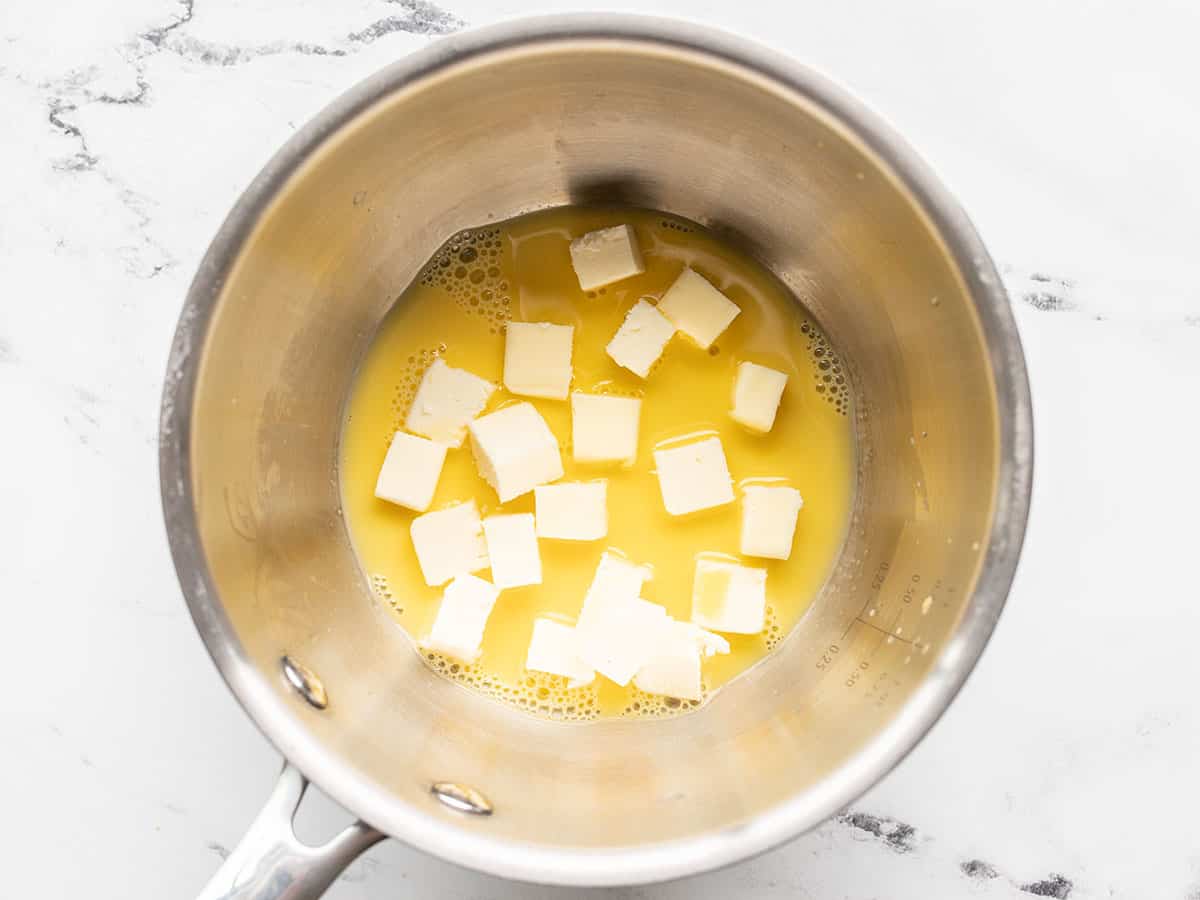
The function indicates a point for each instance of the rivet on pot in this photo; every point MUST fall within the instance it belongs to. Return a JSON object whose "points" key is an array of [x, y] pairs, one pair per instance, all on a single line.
{"points": [[305, 681], [462, 798]]}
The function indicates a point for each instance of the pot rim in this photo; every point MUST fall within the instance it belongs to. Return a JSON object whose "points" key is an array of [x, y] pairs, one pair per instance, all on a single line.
{"points": [[429, 829]]}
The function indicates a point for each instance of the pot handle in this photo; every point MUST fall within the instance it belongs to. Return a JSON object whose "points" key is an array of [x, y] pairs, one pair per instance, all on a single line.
{"points": [[270, 862]]}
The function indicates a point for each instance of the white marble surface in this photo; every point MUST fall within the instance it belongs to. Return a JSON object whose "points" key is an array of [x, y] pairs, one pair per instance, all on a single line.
{"points": [[1070, 763]]}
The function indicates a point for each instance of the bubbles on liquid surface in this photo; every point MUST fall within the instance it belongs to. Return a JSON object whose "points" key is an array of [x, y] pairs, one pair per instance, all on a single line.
{"points": [[828, 371], [383, 591], [655, 706], [410, 376], [671, 225], [537, 693], [468, 268], [772, 633]]}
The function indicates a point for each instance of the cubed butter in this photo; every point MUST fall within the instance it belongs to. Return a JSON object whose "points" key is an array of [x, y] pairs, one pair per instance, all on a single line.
{"points": [[616, 578], [620, 635], [604, 256], [410, 471], [757, 391], [449, 542], [640, 340], [512, 549], [604, 429], [674, 669], [515, 450], [693, 477], [537, 359], [554, 649], [697, 308], [769, 520], [729, 597], [457, 630], [446, 400], [572, 510], [706, 642]]}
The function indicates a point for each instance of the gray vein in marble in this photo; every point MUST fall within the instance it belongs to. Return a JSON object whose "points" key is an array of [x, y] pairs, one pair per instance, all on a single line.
{"points": [[83, 159], [979, 870], [898, 836], [220, 849], [1047, 301], [149, 258], [157, 36], [1048, 293], [213, 53], [1053, 886], [419, 18]]}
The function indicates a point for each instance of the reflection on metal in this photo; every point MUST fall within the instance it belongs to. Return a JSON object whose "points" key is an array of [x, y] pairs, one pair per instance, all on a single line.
{"points": [[464, 799], [305, 681], [271, 863]]}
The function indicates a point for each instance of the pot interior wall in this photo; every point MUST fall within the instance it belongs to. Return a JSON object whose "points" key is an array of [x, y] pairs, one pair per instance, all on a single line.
{"points": [[581, 121]]}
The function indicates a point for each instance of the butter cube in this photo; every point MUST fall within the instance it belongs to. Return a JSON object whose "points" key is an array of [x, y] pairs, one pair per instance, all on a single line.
{"points": [[449, 542], [572, 511], [729, 597], [616, 578], [693, 477], [757, 391], [410, 471], [620, 635], [769, 520], [640, 340], [604, 256], [458, 628], [604, 429], [554, 649], [515, 450], [512, 548], [707, 643], [697, 308], [537, 359], [674, 670], [446, 400]]}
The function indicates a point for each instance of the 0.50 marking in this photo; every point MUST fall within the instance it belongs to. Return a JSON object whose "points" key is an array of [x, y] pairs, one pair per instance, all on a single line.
{"points": [[857, 674]]}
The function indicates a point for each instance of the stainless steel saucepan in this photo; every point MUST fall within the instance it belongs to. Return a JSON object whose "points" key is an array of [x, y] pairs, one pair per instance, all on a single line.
{"points": [[478, 128]]}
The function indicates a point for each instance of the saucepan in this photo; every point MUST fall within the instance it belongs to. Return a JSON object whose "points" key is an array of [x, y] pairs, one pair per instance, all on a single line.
{"points": [[478, 128]]}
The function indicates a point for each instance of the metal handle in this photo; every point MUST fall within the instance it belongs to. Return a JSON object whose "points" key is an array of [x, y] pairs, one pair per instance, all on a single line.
{"points": [[271, 863]]}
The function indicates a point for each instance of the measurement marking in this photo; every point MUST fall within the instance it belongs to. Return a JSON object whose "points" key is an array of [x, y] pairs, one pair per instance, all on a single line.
{"points": [[859, 617], [883, 631]]}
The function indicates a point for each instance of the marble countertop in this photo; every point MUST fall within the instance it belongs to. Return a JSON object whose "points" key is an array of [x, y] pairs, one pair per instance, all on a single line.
{"points": [[1069, 765]]}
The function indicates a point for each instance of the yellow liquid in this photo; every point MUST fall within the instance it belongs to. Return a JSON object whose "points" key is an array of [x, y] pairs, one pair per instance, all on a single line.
{"points": [[521, 270]]}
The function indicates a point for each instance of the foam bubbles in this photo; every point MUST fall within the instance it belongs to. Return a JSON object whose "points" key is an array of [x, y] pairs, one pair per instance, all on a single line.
{"points": [[642, 705], [383, 591], [469, 267], [772, 632], [672, 225], [537, 693], [829, 375], [410, 375]]}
